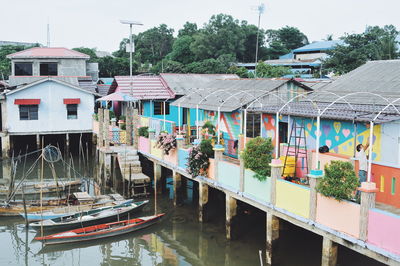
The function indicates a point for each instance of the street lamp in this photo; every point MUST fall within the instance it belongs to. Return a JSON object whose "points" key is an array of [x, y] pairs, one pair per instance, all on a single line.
{"points": [[260, 9], [130, 22]]}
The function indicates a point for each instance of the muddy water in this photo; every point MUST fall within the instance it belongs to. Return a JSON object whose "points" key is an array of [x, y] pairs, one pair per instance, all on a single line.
{"points": [[178, 240]]}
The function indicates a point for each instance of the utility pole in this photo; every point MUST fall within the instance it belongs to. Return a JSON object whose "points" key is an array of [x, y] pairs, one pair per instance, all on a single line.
{"points": [[260, 9]]}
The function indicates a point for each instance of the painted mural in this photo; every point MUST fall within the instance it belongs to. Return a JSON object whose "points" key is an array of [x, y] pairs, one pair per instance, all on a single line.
{"points": [[230, 123], [339, 136]]}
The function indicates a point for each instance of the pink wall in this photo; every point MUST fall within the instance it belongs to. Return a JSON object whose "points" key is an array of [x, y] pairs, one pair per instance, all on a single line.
{"points": [[171, 157], [342, 216], [326, 158], [211, 169], [144, 144], [301, 164], [95, 126], [384, 230]]}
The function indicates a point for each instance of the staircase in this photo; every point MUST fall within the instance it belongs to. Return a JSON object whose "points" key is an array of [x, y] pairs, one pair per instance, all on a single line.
{"points": [[131, 171]]}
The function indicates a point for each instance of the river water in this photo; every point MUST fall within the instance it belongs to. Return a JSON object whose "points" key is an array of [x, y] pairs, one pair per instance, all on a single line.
{"points": [[179, 239]]}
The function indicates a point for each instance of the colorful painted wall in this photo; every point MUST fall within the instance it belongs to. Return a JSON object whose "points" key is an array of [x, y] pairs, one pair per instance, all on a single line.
{"points": [[230, 123], [387, 180], [293, 198], [148, 111]]}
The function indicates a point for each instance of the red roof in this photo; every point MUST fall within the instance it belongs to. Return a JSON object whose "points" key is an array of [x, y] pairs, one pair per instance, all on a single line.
{"points": [[72, 101], [143, 87], [51, 52], [27, 101]]}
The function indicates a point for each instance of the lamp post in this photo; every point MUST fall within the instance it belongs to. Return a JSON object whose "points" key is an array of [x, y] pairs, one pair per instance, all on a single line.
{"points": [[260, 9], [130, 22]]}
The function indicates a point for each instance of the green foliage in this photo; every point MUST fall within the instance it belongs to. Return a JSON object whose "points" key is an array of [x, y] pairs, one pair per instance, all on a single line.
{"points": [[374, 44], [289, 37], [5, 63], [189, 29], [340, 181], [206, 147], [122, 117], [208, 66], [197, 161], [181, 50], [209, 127], [257, 156], [167, 66], [144, 132], [242, 72], [115, 66], [269, 71], [123, 126], [88, 51], [166, 142]]}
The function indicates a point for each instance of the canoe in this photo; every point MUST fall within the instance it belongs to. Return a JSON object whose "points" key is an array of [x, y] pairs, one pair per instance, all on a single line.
{"points": [[14, 208], [35, 188], [91, 217], [100, 231], [70, 210]]}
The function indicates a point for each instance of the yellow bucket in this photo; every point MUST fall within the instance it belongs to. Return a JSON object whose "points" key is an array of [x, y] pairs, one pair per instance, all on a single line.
{"points": [[290, 166]]}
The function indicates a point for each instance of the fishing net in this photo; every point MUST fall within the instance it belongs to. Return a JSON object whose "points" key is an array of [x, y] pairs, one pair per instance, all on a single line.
{"points": [[51, 154]]}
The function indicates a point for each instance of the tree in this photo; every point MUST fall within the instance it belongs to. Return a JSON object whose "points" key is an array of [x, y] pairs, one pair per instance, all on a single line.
{"points": [[88, 51], [242, 72], [250, 41], [290, 37], [269, 71], [189, 29], [115, 66], [221, 35], [374, 44], [167, 66], [207, 66], [181, 50]]}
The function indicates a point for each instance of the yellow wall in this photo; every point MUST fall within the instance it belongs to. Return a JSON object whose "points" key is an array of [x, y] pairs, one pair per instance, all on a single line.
{"points": [[293, 198], [155, 151]]}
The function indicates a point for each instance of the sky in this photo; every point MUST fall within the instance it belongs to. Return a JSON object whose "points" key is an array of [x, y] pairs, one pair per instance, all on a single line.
{"points": [[95, 23]]}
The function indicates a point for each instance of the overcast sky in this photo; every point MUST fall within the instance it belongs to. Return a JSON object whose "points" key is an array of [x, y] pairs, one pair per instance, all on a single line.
{"points": [[95, 23]]}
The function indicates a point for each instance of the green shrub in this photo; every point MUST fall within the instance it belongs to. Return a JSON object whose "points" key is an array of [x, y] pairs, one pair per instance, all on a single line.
{"points": [[197, 161], [122, 117], [257, 156], [123, 126], [206, 147], [144, 132], [209, 128], [339, 182]]}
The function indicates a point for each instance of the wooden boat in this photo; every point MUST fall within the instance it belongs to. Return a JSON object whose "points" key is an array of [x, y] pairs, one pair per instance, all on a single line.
{"points": [[49, 186], [91, 217], [14, 208], [100, 231], [70, 210]]}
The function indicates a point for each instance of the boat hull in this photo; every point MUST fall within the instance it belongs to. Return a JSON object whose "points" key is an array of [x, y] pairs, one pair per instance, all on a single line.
{"points": [[100, 235]]}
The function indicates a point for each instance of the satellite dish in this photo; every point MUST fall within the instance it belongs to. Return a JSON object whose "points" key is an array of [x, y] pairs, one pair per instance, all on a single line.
{"points": [[51, 154]]}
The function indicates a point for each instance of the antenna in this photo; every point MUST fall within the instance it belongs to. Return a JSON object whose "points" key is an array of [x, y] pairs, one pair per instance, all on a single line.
{"points": [[260, 9], [48, 33]]}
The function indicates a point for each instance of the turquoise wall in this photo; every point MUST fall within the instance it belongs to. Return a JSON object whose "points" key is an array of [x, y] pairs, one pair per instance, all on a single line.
{"points": [[256, 188], [183, 156], [229, 174], [173, 113]]}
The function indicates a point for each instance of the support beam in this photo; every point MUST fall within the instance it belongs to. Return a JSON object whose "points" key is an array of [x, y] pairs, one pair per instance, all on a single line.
{"points": [[218, 151], [231, 208], [107, 166], [177, 181], [203, 200], [272, 236], [134, 125], [5, 146], [329, 252], [368, 193], [315, 177], [100, 133], [157, 177], [106, 128], [129, 119], [276, 173], [67, 150]]}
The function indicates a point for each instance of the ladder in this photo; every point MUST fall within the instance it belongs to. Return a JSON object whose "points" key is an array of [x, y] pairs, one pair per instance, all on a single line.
{"points": [[297, 139]]}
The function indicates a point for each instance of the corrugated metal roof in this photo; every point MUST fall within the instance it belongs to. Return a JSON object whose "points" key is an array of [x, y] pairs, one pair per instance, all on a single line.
{"points": [[48, 52], [143, 87], [338, 111], [230, 95], [318, 46], [102, 89], [183, 84], [87, 84], [379, 77]]}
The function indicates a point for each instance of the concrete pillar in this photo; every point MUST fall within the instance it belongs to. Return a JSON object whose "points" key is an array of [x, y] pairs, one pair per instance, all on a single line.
{"points": [[157, 177], [107, 166], [106, 128], [241, 143], [180, 142], [128, 124], [368, 192], [152, 134], [134, 127], [177, 183], [276, 173], [315, 177], [241, 169], [203, 200], [38, 147], [67, 145], [231, 207], [6, 172], [218, 152], [113, 122], [5, 146], [329, 252], [100, 134], [272, 235]]}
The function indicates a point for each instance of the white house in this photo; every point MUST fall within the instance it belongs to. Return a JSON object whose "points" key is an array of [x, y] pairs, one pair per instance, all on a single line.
{"points": [[45, 107]]}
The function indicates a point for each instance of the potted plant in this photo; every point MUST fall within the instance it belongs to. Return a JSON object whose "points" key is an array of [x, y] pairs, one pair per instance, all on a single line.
{"points": [[143, 132], [198, 162], [257, 156], [340, 181], [166, 142]]}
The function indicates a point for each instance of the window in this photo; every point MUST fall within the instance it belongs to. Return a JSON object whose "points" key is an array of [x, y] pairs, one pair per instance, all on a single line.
{"points": [[72, 111], [159, 108], [28, 112], [23, 69], [253, 125], [48, 69]]}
